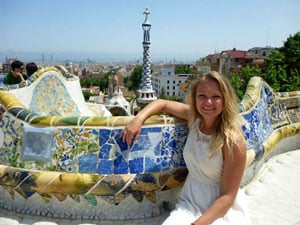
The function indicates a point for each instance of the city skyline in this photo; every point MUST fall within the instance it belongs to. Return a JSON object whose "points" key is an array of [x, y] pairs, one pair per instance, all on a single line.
{"points": [[112, 29]]}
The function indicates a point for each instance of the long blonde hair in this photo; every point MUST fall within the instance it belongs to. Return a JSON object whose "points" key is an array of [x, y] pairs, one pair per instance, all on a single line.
{"points": [[229, 123]]}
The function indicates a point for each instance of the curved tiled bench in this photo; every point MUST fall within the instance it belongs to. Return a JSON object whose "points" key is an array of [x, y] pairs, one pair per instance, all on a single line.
{"points": [[81, 167]]}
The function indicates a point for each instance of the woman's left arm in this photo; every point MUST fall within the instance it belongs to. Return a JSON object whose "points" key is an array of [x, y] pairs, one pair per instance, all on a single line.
{"points": [[234, 161]]}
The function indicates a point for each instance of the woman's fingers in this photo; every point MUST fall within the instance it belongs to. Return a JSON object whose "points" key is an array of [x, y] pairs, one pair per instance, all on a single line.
{"points": [[123, 134], [128, 136]]}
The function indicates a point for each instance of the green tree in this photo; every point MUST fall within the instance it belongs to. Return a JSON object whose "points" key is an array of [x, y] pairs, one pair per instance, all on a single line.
{"points": [[86, 95], [84, 83], [237, 84], [162, 94], [275, 71], [102, 82], [182, 69], [291, 52], [282, 67], [240, 81], [172, 98], [134, 80]]}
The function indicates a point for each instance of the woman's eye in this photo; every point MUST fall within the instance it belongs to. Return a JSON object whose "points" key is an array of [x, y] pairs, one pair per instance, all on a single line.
{"points": [[216, 97]]}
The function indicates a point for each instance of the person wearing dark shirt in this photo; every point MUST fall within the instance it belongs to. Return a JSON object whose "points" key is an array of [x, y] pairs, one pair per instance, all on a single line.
{"points": [[15, 76], [31, 68]]}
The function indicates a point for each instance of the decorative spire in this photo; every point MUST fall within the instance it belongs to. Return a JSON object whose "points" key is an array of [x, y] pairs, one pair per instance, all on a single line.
{"points": [[146, 92], [147, 12]]}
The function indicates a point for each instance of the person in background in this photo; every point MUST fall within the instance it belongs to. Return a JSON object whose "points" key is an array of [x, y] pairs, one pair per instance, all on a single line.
{"points": [[215, 153], [31, 68], [15, 76]]}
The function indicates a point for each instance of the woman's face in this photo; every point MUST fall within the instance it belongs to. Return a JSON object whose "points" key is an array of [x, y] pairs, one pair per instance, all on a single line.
{"points": [[209, 99]]}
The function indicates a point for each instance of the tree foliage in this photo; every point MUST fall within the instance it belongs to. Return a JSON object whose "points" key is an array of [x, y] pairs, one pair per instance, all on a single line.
{"points": [[291, 52], [134, 80], [282, 67], [240, 82], [87, 95], [102, 82], [275, 71], [182, 69], [162, 94]]}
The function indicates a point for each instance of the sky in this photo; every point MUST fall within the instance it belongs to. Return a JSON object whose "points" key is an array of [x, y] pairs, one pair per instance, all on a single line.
{"points": [[181, 29]]}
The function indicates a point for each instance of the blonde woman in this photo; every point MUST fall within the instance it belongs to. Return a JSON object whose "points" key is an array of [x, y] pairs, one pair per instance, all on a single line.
{"points": [[215, 153]]}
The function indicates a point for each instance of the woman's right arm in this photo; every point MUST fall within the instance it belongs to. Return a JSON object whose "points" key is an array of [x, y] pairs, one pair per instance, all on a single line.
{"points": [[132, 130]]}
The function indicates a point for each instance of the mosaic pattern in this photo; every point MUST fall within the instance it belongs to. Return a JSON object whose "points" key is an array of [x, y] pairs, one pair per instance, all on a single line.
{"points": [[158, 149], [101, 150], [88, 158], [77, 152], [268, 115], [258, 124], [50, 97], [10, 141]]}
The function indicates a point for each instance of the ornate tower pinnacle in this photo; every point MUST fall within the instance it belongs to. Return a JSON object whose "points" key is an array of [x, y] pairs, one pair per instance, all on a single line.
{"points": [[146, 92]]}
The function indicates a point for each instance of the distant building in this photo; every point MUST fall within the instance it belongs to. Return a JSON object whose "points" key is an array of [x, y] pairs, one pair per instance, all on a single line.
{"points": [[168, 71], [69, 67], [203, 67], [170, 83], [229, 61], [6, 66], [262, 51]]}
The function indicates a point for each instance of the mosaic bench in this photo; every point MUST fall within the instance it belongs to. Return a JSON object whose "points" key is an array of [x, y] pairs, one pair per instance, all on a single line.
{"points": [[70, 165]]}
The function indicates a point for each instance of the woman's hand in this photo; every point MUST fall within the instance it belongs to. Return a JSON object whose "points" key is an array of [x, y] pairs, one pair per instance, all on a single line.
{"points": [[132, 131]]}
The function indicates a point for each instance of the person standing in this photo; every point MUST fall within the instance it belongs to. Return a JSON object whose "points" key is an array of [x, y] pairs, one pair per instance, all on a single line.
{"points": [[215, 153], [15, 76]]}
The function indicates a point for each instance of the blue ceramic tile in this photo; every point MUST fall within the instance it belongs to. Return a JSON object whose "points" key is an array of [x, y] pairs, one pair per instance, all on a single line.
{"points": [[172, 144], [165, 164], [144, 140], [155, 129], [105, 166], [136, 165], [157, 150], [144, 131], [122, 145], [151, 166], [95, 132], [136, 147], [87, 163], [105, 151], [64, 161], [120, 165], [163, 150], [104, 135], [166, 135]]}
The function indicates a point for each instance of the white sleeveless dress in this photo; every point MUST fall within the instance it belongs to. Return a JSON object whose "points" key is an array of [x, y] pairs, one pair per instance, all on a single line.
{"points": [[202, 185]]}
